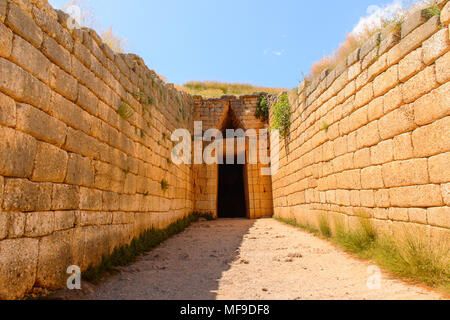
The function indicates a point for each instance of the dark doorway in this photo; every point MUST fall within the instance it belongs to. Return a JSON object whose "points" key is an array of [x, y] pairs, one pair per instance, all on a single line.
{"points": [[231, 196]]}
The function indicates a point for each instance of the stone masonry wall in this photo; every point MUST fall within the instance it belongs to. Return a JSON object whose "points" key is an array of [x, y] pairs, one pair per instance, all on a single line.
{"points": [[258, 188], [76, 178], [372, 136]]}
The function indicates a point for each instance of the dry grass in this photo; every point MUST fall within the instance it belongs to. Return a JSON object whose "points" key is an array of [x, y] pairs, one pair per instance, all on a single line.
{"points": [[216, 89], [390, 24], [409, 255]]}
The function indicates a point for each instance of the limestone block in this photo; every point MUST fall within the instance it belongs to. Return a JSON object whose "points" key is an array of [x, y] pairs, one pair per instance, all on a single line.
{"points": [[19, 84], [416, 196], [412, 21], [55, 256], [420, 84], [439, 168], [30, 59], [397, 122], [17, 153], [362, 158], [358, 119], [393, 99], [81, 143], [382, 153], [398, 214], [87, 100], [90, 199], [376, 109], [405, 173], [364, 95], [368, 135], [110, 201], [414, 39], [50, 164], [7, 111], [39, 224], [417, 215], [18, 271], [57, 53], [445, 14], [6, 37], [445, 191], [3, 4], [16, 225], [63, 83], [403, 148], [23, 25], [432, 139], [40, 125], [55, 30], [65, 197], [439, 217], [371, 178], [80, 171], [64, 220], [23, 195], [69, 113], [367, 198], [436, 46], [432, 106], [443, 68], [385, 81], [382, 198], [410, 65]]}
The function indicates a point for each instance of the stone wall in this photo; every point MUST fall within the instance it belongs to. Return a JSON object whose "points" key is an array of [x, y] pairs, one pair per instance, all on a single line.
{"points": [[76, 178], [258, 188], [372, 136]]}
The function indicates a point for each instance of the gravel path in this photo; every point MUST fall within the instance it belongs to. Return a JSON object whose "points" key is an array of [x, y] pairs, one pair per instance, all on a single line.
{"points": [[249, 259]]}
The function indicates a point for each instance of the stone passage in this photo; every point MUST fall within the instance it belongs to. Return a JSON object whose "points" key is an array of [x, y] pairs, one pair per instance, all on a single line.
{"points": [[249, 259], [85, 148]]}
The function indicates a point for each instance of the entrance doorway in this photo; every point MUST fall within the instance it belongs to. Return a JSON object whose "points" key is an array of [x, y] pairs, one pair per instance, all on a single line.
{"points": [[231, 193]]}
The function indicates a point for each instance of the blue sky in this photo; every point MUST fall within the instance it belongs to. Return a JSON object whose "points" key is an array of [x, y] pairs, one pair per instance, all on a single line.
{"points": [[262, 42]]}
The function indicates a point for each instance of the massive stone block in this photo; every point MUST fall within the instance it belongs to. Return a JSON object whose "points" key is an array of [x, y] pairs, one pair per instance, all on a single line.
{"points": [[6, 37], [18, 271], [23, 25], [7, 111], [50, 164], [23, 195]]}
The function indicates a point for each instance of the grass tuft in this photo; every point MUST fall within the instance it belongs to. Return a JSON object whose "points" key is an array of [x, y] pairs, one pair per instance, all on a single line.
{"points": [[410, 257], [164, 185], [125, 111]]}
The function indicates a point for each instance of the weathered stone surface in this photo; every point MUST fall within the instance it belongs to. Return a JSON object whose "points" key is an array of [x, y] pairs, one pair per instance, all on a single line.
{"points": [[385, 81], [397, 122], [30, 59], [55, 30], [65, 197], [371, 178], [416, 196], [432, 106], [443, 68], [40, 125], [3, 5], [439, 167], [373, 42], [39, 224], [63, 83], [55, 256], [17, 83], [87, 100], [417, 215], [436, 46], [50, 164], [403, 148], [17, 153], [432, 139], [382, 152], [18, 271], [23, 25], [405, 173], [6, 37], [56, 53], [80, 171], [445, 14], [64, 220], [90, 199], [15, 224], [7, 111], [439, 217], [410, 65], [412, 22], [23, 195], [81, 143], [69, 113]]}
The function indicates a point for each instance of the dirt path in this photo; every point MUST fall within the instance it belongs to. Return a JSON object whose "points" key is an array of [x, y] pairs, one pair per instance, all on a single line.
{"points": [[244, 259]]}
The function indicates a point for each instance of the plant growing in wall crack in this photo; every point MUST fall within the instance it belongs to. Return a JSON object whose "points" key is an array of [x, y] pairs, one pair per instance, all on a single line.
{"points": [[262, 110], [282, 116], [164, 185], [125, 111]]}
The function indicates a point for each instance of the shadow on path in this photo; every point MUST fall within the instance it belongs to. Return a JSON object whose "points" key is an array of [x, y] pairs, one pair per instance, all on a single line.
{"points": [[186, 267]]}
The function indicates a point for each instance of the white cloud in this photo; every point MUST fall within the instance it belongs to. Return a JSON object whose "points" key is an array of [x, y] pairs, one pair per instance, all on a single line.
{"points": [[278, 53], [376, 13]]}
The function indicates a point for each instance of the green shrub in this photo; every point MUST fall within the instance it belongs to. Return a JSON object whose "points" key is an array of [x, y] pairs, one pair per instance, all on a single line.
{"points": [[282, 116], [262, 110]]}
